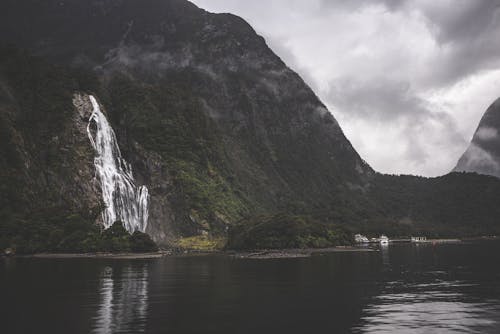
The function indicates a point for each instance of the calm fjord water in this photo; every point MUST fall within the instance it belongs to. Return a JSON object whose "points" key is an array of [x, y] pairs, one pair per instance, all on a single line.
{"points": [[401, 289]]}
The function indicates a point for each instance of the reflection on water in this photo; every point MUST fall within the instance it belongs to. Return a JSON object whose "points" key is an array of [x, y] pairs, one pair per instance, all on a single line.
{"points": [[429, 302], [429, 308], [103, 323], [399, 289], [384, 250], [124, 300]]}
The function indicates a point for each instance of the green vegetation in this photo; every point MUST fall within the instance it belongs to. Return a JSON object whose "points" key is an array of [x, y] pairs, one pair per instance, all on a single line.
{"points": [[453, 205], [117, 239], [142, 243], [286, 231], [35, 116], [202, 243], [168, 119], [68, 234], [251, 159]]}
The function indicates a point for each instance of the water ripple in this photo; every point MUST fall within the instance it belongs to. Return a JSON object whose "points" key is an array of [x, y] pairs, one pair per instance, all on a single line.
{"points": [[430, 307]]}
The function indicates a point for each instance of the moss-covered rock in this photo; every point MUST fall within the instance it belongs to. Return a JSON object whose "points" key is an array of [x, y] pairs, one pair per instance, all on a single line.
{"points": [[202, 243]]}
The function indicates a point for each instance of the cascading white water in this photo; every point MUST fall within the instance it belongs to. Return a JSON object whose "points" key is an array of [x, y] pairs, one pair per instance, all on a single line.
{"points": [[124, 201]]}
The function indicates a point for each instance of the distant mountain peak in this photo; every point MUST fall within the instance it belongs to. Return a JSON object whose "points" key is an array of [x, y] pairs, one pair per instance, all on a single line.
{"points": [[483, 154]]}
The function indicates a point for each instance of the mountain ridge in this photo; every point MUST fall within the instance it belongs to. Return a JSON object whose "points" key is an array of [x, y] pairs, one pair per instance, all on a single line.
{"points": [[216, 126], [253, 121]]}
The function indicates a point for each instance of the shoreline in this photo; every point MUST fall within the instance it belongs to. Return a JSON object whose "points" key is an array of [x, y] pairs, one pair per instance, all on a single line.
{"points": [[427, 241], [126, 256], [250, 254], [242, 254], [295, 253]]}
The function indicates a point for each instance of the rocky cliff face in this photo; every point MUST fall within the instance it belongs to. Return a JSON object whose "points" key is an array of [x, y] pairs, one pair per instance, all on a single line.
{"points": [[213, 122], [483, 154], [46, 161]]}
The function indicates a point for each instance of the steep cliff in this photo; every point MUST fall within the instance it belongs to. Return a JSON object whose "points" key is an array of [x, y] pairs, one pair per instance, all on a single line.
{"points": [[210, 120], [483, 154], [46, 161]]}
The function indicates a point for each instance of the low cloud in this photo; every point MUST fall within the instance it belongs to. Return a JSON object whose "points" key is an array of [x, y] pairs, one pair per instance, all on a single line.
{"points": [[476, 159], [486, 133]]}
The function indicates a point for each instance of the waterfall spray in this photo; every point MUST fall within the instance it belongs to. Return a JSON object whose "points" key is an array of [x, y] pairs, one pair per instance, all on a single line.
{"points": [[124, 200]]}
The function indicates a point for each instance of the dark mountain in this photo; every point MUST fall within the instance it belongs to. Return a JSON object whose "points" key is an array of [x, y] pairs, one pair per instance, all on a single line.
{"points": [[211, 119], [216, 126], [483, 154]]}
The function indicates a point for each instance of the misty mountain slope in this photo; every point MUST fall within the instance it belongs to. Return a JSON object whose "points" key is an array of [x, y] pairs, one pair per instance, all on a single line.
{"points": [[213, 122], [483, 154], [216, 126]]}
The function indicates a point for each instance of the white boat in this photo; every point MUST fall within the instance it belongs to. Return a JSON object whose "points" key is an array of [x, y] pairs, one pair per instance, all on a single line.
{"points": [[384, 240], [361, 239], [418, 239]]}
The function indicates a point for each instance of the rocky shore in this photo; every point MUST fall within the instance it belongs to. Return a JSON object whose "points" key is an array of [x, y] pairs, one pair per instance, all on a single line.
{"points": [[295, 253], [127, 256], [255, 254]]}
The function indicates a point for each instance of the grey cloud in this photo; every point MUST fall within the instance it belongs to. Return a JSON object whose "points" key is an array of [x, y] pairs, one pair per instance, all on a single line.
{"points": [[455, 20], [471, 36], [467, 30], [383, 100], [379, 99], [357, 4], [465, 21], [394, 105]]}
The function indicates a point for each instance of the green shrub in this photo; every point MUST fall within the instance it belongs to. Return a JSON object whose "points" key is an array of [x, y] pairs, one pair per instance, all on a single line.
{"points": [[141, 242], [69, 234], [286, 231]]}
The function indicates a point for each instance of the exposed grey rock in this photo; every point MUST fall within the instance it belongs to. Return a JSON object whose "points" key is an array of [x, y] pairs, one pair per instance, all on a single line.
{"points": [[483, 154]]}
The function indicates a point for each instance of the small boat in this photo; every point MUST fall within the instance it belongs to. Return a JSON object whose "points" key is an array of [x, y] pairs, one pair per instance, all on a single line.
{"points": [[384, 240], [361, 239], [418, 239]]}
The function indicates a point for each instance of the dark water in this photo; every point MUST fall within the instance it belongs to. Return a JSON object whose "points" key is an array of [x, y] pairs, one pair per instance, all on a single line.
{"points": [[401, 289]]}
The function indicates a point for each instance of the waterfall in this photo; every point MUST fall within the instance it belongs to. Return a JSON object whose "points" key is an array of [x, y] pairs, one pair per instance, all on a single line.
{"points": [[124, 201]]}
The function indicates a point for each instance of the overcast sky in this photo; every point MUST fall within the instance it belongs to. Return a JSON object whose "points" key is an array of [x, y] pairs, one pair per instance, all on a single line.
{"points": [[407, 80]]}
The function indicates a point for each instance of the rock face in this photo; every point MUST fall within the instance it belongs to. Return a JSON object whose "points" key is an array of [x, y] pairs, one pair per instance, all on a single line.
{"points": [[213, 122], [483, 154], [46, 163]]}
